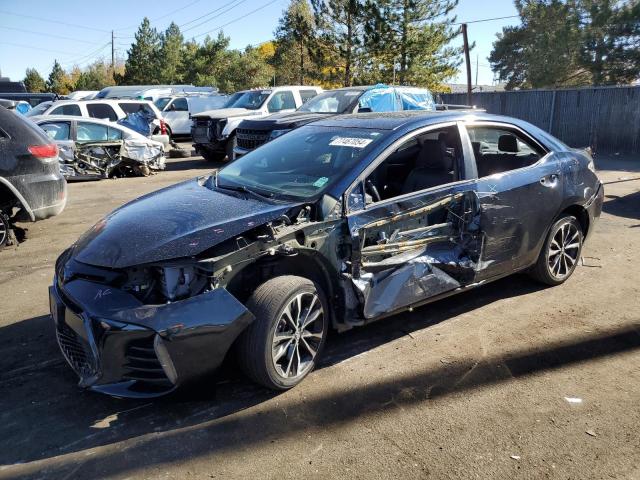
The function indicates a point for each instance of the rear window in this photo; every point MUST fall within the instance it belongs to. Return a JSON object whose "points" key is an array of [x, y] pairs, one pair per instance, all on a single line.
{"points": [[101, 110], [307, 95], [69, 109], [132, 107]]}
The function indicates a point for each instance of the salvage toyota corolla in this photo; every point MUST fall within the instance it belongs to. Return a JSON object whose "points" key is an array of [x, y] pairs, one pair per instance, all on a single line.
{"points": [[339, 223]]}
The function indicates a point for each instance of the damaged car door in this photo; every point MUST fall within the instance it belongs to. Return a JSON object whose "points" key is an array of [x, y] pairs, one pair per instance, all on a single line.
{"points": [[414, 224]]}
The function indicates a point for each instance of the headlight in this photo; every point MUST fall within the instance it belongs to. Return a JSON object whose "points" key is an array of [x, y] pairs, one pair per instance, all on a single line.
{"points": [[278, 133]]}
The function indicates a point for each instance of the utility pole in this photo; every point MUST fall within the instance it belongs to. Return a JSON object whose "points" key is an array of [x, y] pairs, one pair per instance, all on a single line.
{"points": [[477, 70], [467, 61], [113, 56]]}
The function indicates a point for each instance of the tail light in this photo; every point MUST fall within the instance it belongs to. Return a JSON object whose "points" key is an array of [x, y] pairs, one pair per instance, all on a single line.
{"points": [[163, 127], [44, 152]]}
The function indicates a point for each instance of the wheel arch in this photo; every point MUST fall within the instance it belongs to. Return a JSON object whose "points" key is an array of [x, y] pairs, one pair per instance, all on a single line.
{"points": [[305, 263], [9, 193], [581, 215]]}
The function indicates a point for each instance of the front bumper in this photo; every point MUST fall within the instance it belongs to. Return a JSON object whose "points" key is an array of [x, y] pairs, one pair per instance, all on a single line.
{"points": [[120, 347]]}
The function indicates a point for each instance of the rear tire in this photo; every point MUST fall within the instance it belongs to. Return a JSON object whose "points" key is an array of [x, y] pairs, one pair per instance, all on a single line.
{"points": [[560, 253], [281, 347], [212, 156], [5, 230]]}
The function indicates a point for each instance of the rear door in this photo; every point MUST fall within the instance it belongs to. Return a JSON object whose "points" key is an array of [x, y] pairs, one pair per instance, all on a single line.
{"points": [[520, 194], [416, 245]]}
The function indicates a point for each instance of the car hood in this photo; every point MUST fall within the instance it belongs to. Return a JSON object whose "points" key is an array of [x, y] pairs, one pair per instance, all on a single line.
{"points": [[280, 121], [179, 221], [227, 113]]}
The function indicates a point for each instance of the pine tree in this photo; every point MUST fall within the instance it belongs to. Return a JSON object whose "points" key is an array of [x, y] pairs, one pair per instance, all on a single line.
{"points": [[340, 23], [142, 65], [171, 54], [33, 81], [413, 36], [58, 81], [295, 42]]}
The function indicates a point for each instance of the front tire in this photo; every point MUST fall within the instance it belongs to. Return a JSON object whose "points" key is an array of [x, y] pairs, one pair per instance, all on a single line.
{"points": [[560, 253], [281, 347]]}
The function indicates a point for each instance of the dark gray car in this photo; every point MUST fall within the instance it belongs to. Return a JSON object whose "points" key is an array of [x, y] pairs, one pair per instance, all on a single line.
{"points": [[31, 185]]}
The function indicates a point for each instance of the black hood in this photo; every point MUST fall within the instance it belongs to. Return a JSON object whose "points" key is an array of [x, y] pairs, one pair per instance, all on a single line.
{"points": [[282, 121], [179, 221]]}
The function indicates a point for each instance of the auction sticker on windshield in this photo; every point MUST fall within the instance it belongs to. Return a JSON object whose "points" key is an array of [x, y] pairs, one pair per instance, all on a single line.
{"points": [[350, 142]]}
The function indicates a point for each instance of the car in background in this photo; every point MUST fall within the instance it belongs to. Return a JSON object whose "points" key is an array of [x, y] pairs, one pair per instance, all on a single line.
{"points": [[147, 92], [214, 131], [19, 106], [177, 110], [86, 136], [252, 133], [112, 110], [34, 99], [31, 185], [337, 224], [81, 95]]}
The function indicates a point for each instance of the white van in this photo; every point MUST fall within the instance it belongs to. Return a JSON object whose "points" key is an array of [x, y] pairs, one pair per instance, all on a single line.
{"points": [[177, 110]]}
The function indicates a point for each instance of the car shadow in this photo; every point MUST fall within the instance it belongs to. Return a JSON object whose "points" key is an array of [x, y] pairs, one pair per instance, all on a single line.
{"points": [[46, 416], [191, 163], [627, 206]]}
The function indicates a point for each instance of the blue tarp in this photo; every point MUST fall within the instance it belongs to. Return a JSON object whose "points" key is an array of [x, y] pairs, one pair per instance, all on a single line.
{"points": [[385, 98], [139, 121]]}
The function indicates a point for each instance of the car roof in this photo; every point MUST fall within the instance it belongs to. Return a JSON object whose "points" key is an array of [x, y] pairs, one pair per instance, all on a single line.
{"points": [[395, 120], [62, 118]]}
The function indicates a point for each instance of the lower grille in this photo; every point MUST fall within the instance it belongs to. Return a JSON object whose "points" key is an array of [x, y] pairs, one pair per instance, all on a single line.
{"points": [[142, 363], [76, 351], [250, 139]]}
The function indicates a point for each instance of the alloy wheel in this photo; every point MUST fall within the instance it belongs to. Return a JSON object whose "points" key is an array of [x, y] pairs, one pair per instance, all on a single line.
{"points": [[298, 335], [564, 250], [4, 229]]}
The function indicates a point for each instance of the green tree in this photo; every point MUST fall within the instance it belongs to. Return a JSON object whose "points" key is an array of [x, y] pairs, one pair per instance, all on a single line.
{"points": [[205, 64], [610, 40], [413, 37], [142, 65], [295, 41], [341, 33], [248, 69], [171, 49], [95, 77], [549, 30], [58, 81], [33, 81]]}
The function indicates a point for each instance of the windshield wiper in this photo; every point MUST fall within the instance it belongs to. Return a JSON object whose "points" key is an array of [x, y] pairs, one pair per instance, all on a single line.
{"points": [[248, 191]]}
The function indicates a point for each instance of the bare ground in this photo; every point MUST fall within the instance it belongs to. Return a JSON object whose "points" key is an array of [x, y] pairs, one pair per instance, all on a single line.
{"points": [[511, 380]]}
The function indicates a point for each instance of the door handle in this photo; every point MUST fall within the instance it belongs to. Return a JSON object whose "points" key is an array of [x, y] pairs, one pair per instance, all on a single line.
{"points": [[549, 180]]}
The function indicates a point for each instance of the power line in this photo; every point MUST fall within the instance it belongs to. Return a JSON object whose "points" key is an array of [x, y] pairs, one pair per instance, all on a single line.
{"points": [[238, 18], [215, 16], [161, 17], [87, 56], [486, 20], [19, 45], [48, 35], [58, 22]]}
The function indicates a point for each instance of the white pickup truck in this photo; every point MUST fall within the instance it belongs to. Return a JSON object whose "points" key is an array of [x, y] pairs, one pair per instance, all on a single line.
{"points": [[214, 131]]}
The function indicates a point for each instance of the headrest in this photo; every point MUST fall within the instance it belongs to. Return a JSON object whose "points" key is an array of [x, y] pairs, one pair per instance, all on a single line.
{"points": [[433, 154], [476, 148], [508, 143]]}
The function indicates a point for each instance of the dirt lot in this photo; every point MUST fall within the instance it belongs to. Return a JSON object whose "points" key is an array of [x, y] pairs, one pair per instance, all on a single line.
{"points": [[481, 385]]}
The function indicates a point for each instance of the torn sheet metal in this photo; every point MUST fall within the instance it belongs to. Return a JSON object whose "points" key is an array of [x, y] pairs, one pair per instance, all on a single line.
{"points": [[117, 158]]}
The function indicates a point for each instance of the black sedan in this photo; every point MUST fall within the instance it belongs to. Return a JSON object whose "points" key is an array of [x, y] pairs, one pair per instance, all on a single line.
{"points": [[337, 224]]}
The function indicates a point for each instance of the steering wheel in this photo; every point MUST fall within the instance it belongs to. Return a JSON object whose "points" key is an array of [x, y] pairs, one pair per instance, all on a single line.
{"points": [[372, 190]]}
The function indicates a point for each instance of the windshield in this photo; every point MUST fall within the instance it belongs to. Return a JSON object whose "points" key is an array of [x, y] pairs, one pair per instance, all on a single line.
{"points": [[302, 164], [39, 109], [251, 100], [162, 102], [232, 99], [336, 101]]}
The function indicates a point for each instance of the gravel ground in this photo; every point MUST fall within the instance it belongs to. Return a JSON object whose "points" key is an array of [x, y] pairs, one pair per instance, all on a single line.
{"points": [[511, 380]]}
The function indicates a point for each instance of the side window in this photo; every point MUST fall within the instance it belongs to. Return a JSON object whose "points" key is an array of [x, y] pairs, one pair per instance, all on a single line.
{"points": [[114, 134], [92, 132], [101, 110], [425, 161], [57, 130], [378, 100], [135, 107], [69, 109], [281, 101], [179, 105], [307, 95], [499, 150]]}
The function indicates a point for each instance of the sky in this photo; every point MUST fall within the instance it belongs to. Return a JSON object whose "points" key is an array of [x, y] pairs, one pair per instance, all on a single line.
{"points": [[77, 32]]}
